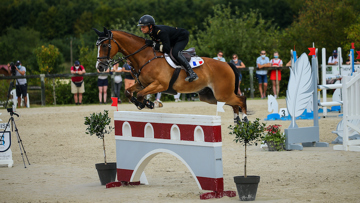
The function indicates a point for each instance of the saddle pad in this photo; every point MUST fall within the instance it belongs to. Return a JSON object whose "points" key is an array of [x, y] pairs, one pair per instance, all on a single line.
{"points": [[195, 61]]}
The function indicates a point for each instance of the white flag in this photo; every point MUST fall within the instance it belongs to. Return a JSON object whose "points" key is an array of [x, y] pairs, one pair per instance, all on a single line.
{"points": [[219, 107]]}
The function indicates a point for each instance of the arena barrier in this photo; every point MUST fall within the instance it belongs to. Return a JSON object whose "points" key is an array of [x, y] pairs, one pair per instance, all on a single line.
{"points": [[194, 139], [351, 110]]}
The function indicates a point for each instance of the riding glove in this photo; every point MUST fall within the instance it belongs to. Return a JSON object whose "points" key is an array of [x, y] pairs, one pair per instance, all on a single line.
{"points": [[149, 43]]}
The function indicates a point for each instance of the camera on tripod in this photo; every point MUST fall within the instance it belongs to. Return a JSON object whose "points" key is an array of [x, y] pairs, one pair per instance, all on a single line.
{"points": [[13, 69]]}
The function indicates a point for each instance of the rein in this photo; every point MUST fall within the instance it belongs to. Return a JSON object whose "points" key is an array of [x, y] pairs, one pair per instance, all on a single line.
{"points": [[133, 70]]}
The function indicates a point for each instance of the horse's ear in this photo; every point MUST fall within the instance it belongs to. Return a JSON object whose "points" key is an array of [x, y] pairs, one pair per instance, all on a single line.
{"points": [[106, 31], [97, 32]]}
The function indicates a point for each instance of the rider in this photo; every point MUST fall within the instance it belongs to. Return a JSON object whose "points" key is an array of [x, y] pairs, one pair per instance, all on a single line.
{"points": [[164, 37]]}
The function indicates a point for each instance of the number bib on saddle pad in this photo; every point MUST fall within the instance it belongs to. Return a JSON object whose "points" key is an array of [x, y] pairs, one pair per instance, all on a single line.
{"points": [[195, 61]]}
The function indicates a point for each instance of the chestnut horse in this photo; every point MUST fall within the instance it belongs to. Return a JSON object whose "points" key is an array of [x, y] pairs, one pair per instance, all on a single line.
{"points": [[218, 81]]}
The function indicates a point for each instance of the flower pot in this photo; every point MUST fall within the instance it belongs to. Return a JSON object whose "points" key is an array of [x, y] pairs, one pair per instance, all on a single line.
{"points": [[107, 172], [272, 146], [247, 187]]}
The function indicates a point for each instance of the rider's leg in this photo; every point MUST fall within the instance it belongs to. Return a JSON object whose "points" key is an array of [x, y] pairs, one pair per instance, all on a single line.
{"points": [[178, 47]]}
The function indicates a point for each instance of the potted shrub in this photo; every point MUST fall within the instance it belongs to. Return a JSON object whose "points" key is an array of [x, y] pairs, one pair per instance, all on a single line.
{"points": [[247, 133], [274, 138], [98, 124]]}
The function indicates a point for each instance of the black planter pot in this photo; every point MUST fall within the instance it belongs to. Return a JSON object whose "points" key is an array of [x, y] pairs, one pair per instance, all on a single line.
{"points": [[247, 187], [107, 173]]}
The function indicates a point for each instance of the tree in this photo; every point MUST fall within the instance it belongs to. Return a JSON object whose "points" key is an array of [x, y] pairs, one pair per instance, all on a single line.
{"points": [[321, 21], [250, 35], [46, 57]]}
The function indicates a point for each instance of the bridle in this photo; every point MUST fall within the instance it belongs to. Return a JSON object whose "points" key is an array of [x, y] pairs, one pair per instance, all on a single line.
{"points": [[109, 37]]}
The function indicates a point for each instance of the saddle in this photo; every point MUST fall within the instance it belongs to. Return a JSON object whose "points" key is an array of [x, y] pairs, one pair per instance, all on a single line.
{"points": [[186, 53]]}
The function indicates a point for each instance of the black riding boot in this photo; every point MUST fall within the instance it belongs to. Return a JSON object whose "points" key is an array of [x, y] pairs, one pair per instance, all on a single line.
{"points": [[192, 75]]}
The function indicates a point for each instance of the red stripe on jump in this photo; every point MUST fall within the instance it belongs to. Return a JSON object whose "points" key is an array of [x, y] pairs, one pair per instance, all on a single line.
{"points": [[214, 184], [137, 128], [186, 132], [118, 127], [124, 174], [162, 130], [212, 133]]}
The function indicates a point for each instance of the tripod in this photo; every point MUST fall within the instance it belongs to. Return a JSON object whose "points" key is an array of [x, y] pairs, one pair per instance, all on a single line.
{"points": [[13, 124]]}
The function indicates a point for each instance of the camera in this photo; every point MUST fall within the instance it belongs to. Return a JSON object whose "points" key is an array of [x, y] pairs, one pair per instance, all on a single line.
{"points": [[13, 69]]}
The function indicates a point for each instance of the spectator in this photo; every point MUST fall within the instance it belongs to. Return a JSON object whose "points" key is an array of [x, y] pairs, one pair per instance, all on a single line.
{"points": [[21, 83], [103, 85], [262, 61], [129, 80], [220, 56], [334, 59], [117, 81], [276, 62], [239, 64], [77, 84], [348, 61]]}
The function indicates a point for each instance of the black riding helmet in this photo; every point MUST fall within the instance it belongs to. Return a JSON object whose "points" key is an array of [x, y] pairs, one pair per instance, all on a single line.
{"points": [[146, 20]]}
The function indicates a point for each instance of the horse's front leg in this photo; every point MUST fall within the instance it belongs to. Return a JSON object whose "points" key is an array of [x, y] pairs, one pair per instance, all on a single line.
{"points": [[128, 92], [153, 88]]}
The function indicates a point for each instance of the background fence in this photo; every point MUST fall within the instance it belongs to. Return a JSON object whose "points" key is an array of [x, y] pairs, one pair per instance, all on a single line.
{"points": [[55, 88]]}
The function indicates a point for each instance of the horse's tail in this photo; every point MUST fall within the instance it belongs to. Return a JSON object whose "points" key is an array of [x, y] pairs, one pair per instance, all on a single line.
{"points": [[233, 67]]}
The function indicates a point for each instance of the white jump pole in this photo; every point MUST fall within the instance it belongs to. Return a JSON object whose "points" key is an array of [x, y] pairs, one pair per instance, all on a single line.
{"points": [[323, 79]]}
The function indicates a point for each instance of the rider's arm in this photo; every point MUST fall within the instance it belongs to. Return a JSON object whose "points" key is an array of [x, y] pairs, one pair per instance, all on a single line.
{"points": [[165, 46]]}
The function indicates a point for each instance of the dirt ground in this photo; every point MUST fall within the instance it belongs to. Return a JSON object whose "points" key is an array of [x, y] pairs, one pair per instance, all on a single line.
{"points": [[63, 161]]}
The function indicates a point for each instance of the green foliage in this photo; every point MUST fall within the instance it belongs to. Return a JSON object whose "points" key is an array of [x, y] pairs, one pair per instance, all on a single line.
{"points": [[242, 34], [248, 132], [323, 22], [63, 93], [275, 137], [46, 57], [97, 124], [18, 44]]}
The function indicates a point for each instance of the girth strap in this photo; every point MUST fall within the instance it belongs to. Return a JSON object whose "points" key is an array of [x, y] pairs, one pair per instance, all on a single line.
{"points": [[174, 77]]}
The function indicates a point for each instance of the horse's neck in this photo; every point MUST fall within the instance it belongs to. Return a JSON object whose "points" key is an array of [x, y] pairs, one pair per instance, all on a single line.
{"points": [[129, 44]]}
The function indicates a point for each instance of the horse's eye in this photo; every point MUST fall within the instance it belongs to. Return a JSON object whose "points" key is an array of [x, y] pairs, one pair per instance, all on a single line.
{"points": [[103, 45]]}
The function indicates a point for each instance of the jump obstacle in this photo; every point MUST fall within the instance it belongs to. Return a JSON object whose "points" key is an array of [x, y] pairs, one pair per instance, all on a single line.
{"points": [[351, 93], [194, 139]]}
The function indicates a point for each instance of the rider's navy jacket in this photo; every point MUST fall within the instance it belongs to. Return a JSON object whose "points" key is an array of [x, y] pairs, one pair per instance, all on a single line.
{"points": [[166, 37]]}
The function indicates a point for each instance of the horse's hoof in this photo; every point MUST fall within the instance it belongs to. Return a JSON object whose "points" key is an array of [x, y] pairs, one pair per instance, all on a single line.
{"points": [[148, 104], [237, 120], [245, 119], [158, 104]]}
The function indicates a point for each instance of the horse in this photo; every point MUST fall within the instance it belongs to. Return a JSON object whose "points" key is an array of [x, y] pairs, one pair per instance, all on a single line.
{"points": [[218, 81]]}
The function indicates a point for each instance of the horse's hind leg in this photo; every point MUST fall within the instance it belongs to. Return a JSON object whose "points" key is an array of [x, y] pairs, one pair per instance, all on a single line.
{"points": [[237, 101], [207, 95]]}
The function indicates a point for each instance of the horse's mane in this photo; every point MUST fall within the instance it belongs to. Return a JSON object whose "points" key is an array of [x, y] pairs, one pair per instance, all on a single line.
{"points": [[129, 33]]}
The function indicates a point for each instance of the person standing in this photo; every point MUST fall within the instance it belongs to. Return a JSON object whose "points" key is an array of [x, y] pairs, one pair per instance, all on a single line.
{"points": [[220, 56], [334, 59], [276, 62], [239, 64], [21, 83], [261, 62], [103, 85], [129, 80], [117, 81], [77, 83]]}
